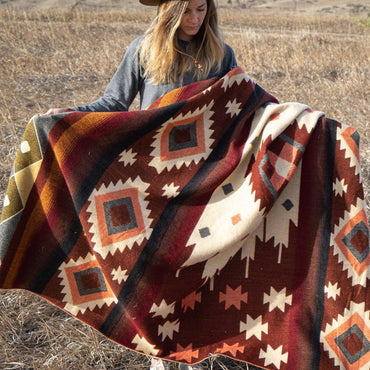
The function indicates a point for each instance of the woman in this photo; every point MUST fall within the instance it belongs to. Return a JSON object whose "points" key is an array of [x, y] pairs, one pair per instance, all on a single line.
{"points": [[182, 45]]}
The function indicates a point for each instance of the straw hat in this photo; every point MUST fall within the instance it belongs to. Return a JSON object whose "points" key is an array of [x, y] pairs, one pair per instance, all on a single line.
{"points": [[150, 2]]}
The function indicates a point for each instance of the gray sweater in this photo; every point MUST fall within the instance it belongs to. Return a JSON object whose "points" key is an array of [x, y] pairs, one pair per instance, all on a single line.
{"points": [[128, 81]]}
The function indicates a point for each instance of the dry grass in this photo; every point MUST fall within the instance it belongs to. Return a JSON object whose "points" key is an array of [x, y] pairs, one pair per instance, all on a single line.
{"points": [[59, 58]]}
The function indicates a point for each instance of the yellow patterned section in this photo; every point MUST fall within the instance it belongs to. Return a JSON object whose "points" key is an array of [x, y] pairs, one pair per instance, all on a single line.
{"points": [[13, 203], [26, 167], [25, 180], [29, 151]]}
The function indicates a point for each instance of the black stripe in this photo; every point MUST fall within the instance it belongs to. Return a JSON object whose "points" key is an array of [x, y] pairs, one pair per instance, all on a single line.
{"points": [[331, 127], [57, 258]]}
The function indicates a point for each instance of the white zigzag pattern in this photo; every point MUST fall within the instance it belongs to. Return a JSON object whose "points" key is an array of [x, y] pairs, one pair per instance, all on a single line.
{"points": [[227, 81], [348, 152]]}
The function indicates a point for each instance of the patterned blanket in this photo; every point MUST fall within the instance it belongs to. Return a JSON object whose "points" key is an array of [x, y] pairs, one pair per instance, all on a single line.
{"points": [[216, 222]]}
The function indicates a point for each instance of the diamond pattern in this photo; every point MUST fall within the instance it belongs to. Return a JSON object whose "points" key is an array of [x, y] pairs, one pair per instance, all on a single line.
{"points": [[183, 140], [351, 243], [353, 344], [359, 233], [119, 216], [85, 286], [347, 339], [183, 136]]}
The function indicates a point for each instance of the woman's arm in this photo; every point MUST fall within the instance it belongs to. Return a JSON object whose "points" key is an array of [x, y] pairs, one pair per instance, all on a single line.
{"points": [[122, 88]]}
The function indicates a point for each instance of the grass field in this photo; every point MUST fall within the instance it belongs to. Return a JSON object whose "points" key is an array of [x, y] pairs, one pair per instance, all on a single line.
{"points": [[59, 57]]}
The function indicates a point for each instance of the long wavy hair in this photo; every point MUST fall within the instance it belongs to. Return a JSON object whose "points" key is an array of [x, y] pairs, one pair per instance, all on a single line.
{"points": [[159, 49]]}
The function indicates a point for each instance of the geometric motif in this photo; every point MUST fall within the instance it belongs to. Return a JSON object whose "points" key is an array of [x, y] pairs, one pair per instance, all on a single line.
{"points": [[332, 291], [128, 157], [347, 339], [30, 151], [13, 201], [25, 179], [26, 166], [274, 356], [182, 136], [184, 353], [183, 140], [270, 122], [351, 243], [6, 201], [25, 147], [119, 275], [359, 231], [308, 119], [237, 222], [228, 188], [356, 138], [163, 309], [277, 299], [89, 281], [234, 222], [288, 204], [190, 301], [349, 141], [143, 345], [204, 232], [233, 108], [353, 344], [233, 297], [340, 187], [236, 219], [253, 327], [283, 214], [168, 329], [119, 216], [234, 349], [84, 285], [284, 168], [170, 190], [233, 76]]}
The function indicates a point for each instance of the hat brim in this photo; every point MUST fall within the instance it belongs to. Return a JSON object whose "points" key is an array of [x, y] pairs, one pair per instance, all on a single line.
{"points": [[150, 2]]}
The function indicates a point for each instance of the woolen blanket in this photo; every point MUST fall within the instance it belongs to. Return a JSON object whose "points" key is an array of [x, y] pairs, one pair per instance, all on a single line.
{"points": [[216, 222]]}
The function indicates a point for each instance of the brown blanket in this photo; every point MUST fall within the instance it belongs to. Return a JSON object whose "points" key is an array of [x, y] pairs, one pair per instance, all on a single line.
{"points": [[216, 222]]}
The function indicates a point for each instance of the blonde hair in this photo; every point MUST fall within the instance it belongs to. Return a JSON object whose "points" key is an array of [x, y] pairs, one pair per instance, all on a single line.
{"points": [[159, 49]]}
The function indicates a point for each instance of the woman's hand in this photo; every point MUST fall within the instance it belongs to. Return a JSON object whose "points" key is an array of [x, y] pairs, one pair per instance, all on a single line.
{"points": [[56, 111]]}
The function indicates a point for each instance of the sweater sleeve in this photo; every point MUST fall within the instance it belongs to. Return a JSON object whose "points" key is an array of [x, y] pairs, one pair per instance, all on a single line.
{"points": [[229, 62], [123, 87]]}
